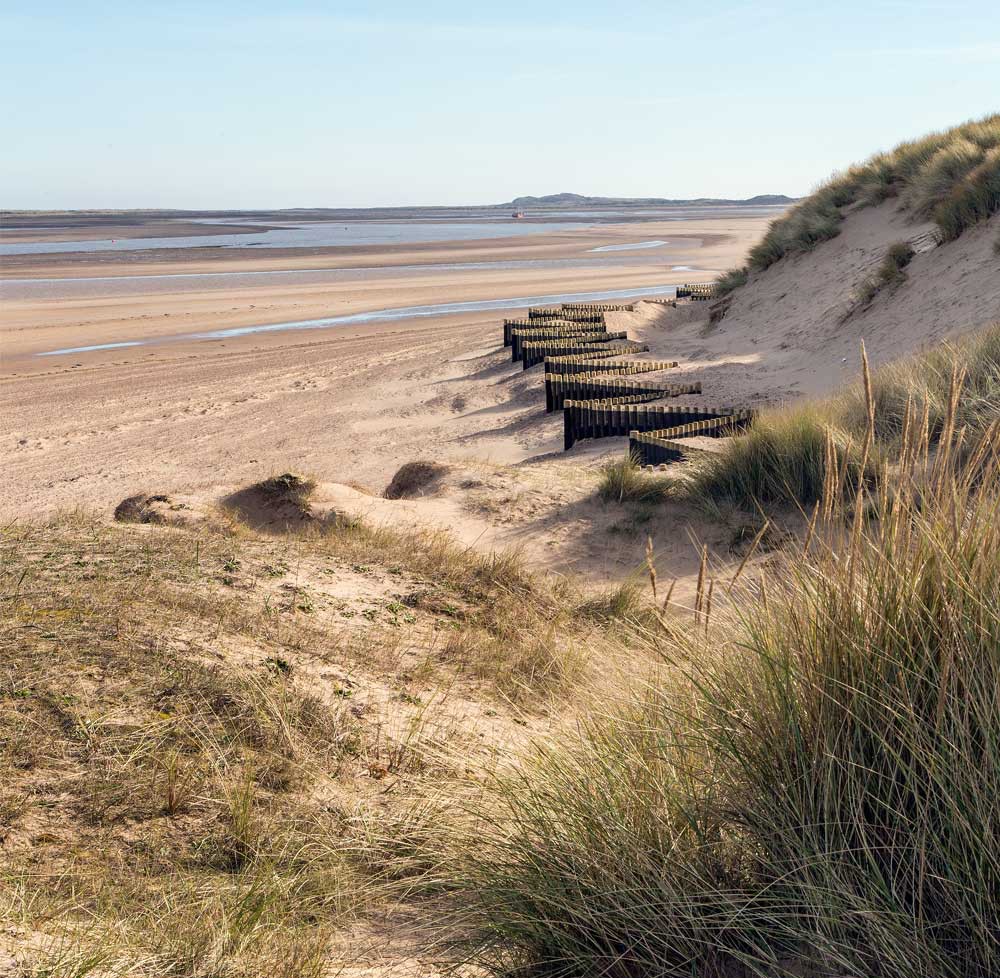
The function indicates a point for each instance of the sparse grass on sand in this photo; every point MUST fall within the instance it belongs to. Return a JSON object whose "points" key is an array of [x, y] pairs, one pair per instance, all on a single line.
{"points": [[889, 274], [192, 782], [415, 479], [730, 281], [950, 177], [813, 791]]}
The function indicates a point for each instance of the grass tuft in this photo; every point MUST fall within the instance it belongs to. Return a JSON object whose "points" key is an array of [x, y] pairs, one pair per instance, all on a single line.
{"points": [[730, 281], [415, 479], [889, 274], [623, 480]]}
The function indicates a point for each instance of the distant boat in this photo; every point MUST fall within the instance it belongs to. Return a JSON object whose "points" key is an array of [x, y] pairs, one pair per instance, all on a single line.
{"points": [[518, 215]]}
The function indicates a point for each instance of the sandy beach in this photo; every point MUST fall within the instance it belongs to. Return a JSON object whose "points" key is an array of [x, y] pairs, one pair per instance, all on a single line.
{"points": [[348, 403]]}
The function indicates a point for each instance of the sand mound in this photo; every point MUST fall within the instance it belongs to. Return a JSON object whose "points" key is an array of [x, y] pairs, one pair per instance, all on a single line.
{"points": [[155, 508], [416, 479], [276, 504]]}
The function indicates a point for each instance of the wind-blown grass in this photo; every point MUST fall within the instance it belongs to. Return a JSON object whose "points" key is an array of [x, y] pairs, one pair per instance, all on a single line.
{"points": [[819, 796], [730, 281], [788, 454]]}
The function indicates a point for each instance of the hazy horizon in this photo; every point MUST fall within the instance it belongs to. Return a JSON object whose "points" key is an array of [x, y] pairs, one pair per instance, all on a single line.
{"points": [[239, 106], [603, 202]]}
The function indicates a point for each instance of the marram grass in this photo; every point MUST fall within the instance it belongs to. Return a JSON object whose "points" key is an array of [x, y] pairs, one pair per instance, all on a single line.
{"points": [[785, 457], [817, 796], [950, 177]]}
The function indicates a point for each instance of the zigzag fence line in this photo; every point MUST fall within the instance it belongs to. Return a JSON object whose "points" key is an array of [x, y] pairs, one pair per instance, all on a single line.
{"points": [[584, 386], [698, 293], [662, 446], [598, 307], [599, 392], [545, 312], [509, 325], [619, 416], [534, 351]]}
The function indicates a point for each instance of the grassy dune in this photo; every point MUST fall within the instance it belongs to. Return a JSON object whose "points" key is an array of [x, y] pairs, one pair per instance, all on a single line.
{"points": [[951, 178], [207, 757]]}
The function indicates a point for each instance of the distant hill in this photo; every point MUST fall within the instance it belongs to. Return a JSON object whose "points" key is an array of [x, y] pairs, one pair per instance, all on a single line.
{"points": [[575, 200]]}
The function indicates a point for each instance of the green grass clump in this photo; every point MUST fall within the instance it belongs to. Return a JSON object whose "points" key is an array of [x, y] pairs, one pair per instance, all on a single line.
{"points": [[783, 457], [890, 272], [623, 480], [731, 280], [953, 177], [975, 199], [817, 798]]}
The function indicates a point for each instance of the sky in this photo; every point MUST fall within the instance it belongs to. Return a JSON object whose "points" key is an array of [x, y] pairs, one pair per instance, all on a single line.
{"points": [[341, 104]]}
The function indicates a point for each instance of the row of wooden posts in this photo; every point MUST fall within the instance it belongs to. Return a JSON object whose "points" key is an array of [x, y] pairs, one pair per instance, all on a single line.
{"points": [[660, 447], [696, 292], [600, 395]]}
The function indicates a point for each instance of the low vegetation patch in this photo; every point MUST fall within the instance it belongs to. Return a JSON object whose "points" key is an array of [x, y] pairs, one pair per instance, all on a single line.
{"points": [[208, 755], [415, 479], [889, 274], [730, 281], [623, 480], [279, 503]]}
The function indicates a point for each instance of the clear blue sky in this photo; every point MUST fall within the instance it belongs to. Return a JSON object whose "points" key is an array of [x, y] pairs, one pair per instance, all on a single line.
{"points": [[249, 104]]}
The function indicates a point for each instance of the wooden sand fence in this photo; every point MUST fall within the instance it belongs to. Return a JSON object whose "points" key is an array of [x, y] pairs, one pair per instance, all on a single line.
{"points": [[545, 312], [598, 307], [535, 351], [586, 364], [587, 386], [603, 395], [619, 416], [594, 359], [509, 325], [699, 293], [666, 445], [520, 334]]}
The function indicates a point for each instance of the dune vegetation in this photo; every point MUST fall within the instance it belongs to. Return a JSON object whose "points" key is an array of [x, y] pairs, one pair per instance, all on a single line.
{"points": [[809, 787], [213, 764], [209, 734], [788, 455], [951, 178]]}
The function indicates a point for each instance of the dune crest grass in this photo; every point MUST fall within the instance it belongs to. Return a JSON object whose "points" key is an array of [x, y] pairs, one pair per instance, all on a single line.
{"points": [[813, 792], [950, 177]]}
